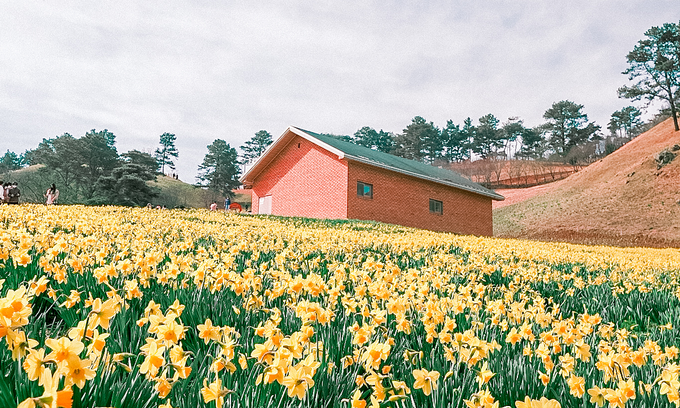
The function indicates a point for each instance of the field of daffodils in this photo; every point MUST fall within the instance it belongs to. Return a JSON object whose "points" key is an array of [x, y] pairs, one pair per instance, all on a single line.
{"points": [[116, 307]]}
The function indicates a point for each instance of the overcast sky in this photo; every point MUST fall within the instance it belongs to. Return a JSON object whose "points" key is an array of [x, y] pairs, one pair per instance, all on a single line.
{"points": [[209, 69]]}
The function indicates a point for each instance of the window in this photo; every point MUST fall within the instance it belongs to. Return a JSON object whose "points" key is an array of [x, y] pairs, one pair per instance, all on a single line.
{"points": [[364, 190], [436, 207]]}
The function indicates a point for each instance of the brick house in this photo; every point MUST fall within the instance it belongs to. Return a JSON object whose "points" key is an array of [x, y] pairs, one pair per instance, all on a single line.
{"points": [[305, 174]]}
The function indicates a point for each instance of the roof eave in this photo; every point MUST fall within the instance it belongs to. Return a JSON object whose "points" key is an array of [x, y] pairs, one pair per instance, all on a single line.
{"points": [[493, 196]]}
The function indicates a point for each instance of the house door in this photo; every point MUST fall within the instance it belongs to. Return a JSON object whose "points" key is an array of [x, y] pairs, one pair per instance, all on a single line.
{"points": [[265, 204]]}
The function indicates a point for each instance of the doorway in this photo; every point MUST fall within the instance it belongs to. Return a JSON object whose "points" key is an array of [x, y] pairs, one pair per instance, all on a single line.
{"points": [[265, 204]]}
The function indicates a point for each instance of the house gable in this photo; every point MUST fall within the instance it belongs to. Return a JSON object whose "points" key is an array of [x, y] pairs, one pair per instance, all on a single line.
{"points": [[303, 180]]}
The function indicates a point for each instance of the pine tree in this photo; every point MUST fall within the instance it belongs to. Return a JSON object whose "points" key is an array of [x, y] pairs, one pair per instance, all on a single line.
{"points": [[220, 168], [455, 143], [253, 148], [420, 140], [167, 151]]}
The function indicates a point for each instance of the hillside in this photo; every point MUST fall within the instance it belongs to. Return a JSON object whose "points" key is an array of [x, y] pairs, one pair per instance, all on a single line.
{"points": [[172, 193], [622, 199], [176, 193]]}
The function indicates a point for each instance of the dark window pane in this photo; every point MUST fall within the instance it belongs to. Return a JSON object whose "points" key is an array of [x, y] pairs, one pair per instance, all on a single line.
{"points": [[436, 206], [364, 190]]}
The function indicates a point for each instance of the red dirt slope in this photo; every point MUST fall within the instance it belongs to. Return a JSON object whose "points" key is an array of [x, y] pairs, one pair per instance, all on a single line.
{"points": [[621, 200]]}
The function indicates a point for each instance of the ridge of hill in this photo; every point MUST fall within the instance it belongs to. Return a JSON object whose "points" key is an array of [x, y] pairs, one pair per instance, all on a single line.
{"points": [[622, 199]]}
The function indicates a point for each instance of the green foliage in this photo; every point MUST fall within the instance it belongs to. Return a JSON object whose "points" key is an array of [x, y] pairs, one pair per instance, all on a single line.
{"points": [[220, 168], [60, 156], [167, 151], [419, 141], [34, 180], [454, 142], [568, 126], [74, 164], [11, 161], [486, 139], [625, 122], [127, 186], [98, 156], [654, 65], [143, 159], [344, 138], [253, 148], [513, 130], [369, 137]]}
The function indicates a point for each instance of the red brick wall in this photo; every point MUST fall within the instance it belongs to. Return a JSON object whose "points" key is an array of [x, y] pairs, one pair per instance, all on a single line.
{"points": [[404, 200], [304, 181]]}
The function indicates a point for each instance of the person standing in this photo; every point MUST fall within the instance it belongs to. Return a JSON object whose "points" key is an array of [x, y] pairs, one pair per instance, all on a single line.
{"points": [[227, 203], [2, 192], [213, 206], [14, 193], [6, 187], [52, 195]]}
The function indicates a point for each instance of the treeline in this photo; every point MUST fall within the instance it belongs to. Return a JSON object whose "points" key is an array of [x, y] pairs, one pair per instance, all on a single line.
{"points": [[567, 126], [561, 138], [89, 170]]}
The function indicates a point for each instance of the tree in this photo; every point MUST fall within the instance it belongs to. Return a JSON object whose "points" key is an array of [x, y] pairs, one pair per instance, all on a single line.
{"points": [[534, 144], [344, 138], [486, 139], [11, 161], [455, 143], [510, 132], [62, 160], [76, 164], [568, 126], [99, 157], [433, 145], [614, 126], [369, 137], [625, 121], [654, 64], [468, 133], [384, 142], [143, 159], [420, 140], [126, 185], [220, 168], [253, 148], [167, 151]]}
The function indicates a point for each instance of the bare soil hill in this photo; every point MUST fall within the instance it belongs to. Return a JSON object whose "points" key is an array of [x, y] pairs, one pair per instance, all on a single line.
{"points": [[622, 199]]}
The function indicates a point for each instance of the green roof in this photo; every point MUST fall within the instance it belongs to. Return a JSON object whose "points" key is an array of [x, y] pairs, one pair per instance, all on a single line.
{"points": [[399, 164]]}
